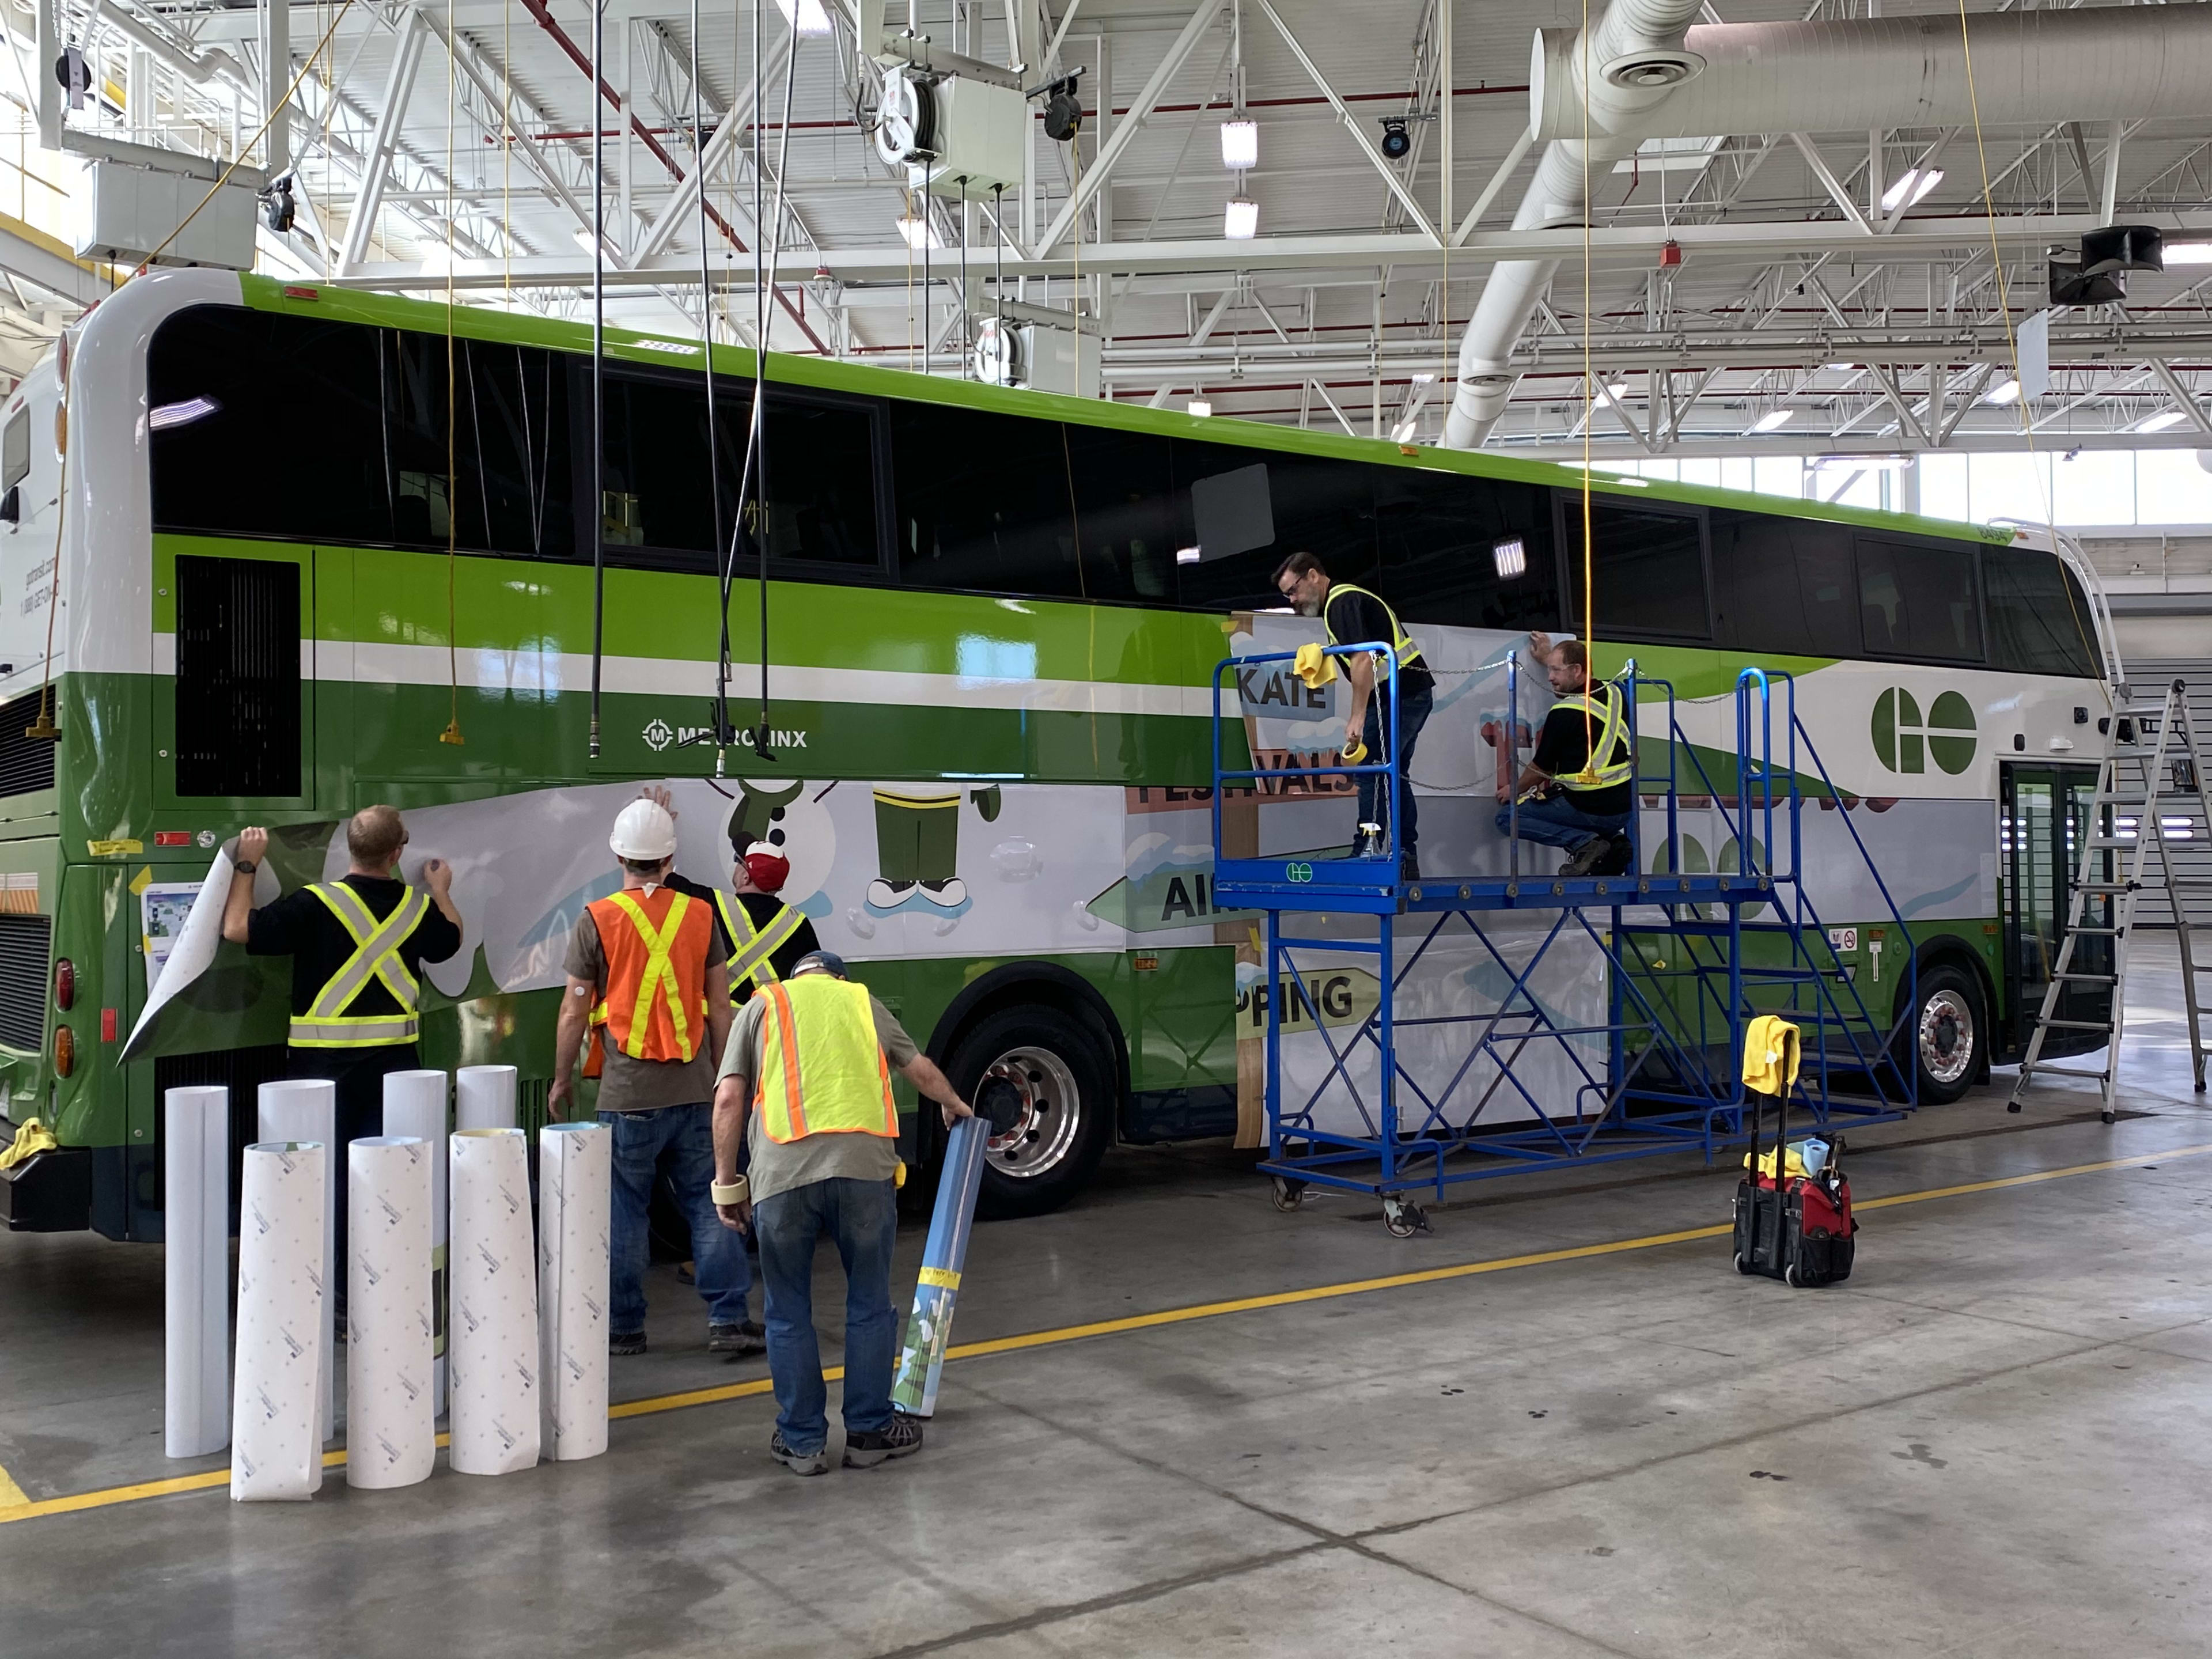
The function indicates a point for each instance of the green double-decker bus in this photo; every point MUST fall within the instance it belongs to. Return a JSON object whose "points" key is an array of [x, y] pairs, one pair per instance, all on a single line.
{"points": [[289, 541]]}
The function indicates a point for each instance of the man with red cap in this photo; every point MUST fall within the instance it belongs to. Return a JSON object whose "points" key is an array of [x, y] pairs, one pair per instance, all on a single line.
{"points": [[768, 936]]}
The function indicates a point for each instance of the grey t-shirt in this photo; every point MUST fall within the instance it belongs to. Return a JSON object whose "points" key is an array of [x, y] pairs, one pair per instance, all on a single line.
{"points": [[643, 1085], [778, 1168]]}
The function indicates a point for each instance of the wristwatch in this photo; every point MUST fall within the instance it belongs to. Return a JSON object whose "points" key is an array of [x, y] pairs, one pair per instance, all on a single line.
{"points": [[733, 1192], [245, 867]]}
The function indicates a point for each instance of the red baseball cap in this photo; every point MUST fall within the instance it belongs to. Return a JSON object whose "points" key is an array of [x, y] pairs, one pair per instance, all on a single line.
{"points": [[766, 866]]}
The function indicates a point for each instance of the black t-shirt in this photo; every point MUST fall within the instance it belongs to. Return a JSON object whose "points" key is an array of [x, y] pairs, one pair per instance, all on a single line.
{"points": [[1355, 618], [1563, 748], [301, 926], [760, 909]]}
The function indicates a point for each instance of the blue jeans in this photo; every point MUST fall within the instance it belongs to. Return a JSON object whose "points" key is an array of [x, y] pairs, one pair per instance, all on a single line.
{"points": [[1413, 710], [1556, 821], [685, 1136], [861, 1217]]}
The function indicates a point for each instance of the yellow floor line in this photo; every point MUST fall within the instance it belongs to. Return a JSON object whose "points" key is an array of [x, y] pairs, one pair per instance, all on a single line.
{"points": [[23, 1510]]}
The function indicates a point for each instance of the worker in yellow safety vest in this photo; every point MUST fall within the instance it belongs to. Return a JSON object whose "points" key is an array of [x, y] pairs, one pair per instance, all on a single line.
{"points": [[1351, 615], [646, 972], [767, 936], [1578, 787], [357, 946], [808, 1066]]}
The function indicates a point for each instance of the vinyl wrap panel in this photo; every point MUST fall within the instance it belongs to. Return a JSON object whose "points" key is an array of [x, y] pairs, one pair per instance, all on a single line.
{"points": [[944, 1253]]}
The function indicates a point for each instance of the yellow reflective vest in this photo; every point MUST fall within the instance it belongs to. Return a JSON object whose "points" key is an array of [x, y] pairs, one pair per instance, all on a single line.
{"points": [[1404, 652], [822, 1072], [1611, 729], [375, 956], [752, 947]]}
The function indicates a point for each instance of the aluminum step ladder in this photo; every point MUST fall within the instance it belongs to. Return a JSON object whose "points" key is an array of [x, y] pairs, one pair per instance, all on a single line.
{"points": [[2153, 772]]}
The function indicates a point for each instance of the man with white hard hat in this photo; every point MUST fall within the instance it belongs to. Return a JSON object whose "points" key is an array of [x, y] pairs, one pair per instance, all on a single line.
{"points": [[646, 979], [767, 936]]}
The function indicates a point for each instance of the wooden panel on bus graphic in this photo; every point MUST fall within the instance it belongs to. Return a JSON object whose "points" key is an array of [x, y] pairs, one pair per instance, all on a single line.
{"points": [[233, 721]]}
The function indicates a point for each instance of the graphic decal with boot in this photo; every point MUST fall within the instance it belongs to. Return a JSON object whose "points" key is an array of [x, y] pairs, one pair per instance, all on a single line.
{"points": [[918, 849]]}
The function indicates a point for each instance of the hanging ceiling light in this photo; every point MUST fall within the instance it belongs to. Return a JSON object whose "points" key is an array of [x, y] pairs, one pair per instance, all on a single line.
{"points": [[2160, 422], [1240, 222], [1199, 406], [1909, 186], [805, 16], [2004, 393], [1772, 420], [2189, 253], [918, 232], [1240, 143]]}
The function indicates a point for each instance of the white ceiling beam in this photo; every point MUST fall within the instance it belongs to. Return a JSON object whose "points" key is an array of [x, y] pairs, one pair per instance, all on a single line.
{"points": [[2183, 398], [1830, 183], [391, 117]]}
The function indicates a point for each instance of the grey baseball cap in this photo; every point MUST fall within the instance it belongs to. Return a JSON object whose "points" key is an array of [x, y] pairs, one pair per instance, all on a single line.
{"points": [[820, 962]]}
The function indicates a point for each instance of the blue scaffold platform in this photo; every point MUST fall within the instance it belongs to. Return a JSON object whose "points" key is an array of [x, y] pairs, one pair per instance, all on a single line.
{"points": [[1690, 958]]}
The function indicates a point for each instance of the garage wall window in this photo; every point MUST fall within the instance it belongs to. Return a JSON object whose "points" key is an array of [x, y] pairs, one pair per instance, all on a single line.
{"points": [[238, 676]]}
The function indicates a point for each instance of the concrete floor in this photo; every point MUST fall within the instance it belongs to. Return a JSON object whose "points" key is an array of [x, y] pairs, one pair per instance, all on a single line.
{"points": [[1989, 1441]]}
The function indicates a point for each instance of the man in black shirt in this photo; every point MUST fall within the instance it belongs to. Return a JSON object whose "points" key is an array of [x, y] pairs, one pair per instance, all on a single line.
{"points": [[769, 936], [1352, 616], [357, 946], [1566, 799]]}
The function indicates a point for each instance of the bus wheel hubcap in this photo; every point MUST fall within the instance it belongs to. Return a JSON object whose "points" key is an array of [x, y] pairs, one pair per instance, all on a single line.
{"points": [[1946, 1036], [1050, 1109]]}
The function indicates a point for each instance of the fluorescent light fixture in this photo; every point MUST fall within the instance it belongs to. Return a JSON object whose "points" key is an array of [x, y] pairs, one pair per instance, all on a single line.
{"points": [[1198, 406], [1188, 554], [1510, 558], [1239, 144], [918, 232], [1616, 392], [2189, 253], [2005, 391], [1773, 421], [1403, 432], [804, 17], [1240, 222], [2161, 422], [1909, 186], [1842, 368], [1863, 463], [1423, 377], [165, 415]]}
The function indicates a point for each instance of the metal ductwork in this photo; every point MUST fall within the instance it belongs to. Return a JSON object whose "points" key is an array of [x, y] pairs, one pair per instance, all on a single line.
{"points": [[1636, 59], [2031, 67]]}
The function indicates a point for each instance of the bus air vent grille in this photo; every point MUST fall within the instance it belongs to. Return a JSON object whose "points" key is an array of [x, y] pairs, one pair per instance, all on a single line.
{"points": [[26, 763], [26, 947]]}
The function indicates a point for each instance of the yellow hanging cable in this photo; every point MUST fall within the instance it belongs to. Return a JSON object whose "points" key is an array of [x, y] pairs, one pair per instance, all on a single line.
{"points": [[452, 732], [1589, 775], [2047, 488]]}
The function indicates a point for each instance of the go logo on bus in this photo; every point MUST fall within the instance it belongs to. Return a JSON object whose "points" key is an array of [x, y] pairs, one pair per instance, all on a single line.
{"points": [[1297, 872], [1904, 742]]}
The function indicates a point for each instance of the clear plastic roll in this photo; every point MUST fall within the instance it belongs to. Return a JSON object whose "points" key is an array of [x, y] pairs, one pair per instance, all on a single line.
{"points": [[575, 1174], [392, 1431], [494, 1354], [414, 1105], [305, 1110], [483, 1097], [277, 1445], [195, 1219]]}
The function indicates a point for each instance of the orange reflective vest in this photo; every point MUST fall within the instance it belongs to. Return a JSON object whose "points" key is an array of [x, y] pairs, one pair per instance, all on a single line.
{"points": [[657, 944], [823, 1072]]}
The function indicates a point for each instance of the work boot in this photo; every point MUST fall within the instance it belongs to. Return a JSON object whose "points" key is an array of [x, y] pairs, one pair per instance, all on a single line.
{"points": [[626, 1342], [737, 1338], [814, 1462], [1586, 857], [1409, 867], [1618, 855], [901, 1439]]}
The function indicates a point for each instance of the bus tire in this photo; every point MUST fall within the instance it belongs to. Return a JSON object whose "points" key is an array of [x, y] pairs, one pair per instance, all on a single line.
{"points": [[1042, 1076], [1947, 1033]]}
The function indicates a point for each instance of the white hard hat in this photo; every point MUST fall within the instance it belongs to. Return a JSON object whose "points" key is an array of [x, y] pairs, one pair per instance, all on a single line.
{"points": [[643, 830]]}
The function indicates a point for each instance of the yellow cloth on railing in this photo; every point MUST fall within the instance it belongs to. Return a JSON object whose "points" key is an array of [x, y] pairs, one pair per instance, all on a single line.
{"points": [[1314, 665], [1793, 1164], [1770, 1054], [32, 1139]]}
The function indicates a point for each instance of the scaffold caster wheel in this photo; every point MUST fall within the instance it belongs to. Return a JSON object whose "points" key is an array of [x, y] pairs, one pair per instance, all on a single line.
{"points": [[2012, 1105], [2110, 1117], [1741, 1266], [1403, 1219], [1789, 1277], [1286, 1193]]}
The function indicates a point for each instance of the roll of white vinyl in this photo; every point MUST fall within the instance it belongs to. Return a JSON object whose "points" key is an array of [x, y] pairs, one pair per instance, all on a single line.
{"points": [[483, 1097], [494, 1358], [391, 1433], [306, 1109], [415, 1104], [276, 1451], [575, 1174], [195, 1219]]}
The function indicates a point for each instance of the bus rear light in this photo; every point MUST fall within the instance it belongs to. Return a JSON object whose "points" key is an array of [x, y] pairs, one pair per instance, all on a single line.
{"points": [[65, 984], [108, 1026], [64, 1051]]}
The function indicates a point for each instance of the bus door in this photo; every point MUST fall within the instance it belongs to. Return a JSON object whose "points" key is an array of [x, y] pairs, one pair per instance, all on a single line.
{"points": [[2045, 817]]}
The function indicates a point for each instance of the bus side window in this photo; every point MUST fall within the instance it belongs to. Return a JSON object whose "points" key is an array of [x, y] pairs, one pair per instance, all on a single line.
{"points": [[1784, 586], [1649, 569], [1466, 552], [2040, 620], [981, 502], [1314, 505], [15, 449], [1919, 602]]}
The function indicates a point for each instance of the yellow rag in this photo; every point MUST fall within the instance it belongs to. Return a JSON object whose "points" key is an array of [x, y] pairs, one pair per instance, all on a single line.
{"points": [[1770, 1054], [1315, 666], [1793, 1164], [31, 1139]]}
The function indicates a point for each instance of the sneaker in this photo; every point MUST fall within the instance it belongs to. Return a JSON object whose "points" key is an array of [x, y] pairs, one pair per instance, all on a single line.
{"points": [[626, 1342], [814, 1462], [742, 1337], [901, 1439], [888, 895], [1616, 859], [949, 895], [1587, 857]]}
